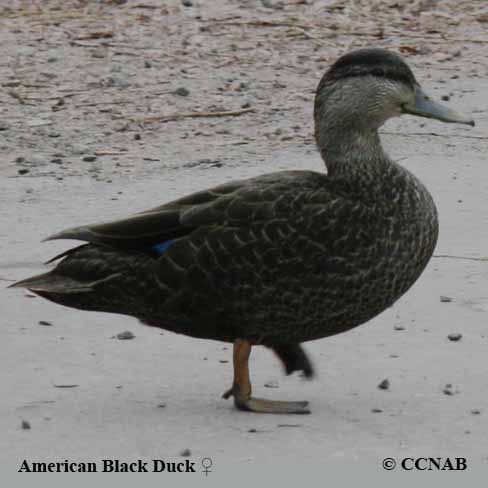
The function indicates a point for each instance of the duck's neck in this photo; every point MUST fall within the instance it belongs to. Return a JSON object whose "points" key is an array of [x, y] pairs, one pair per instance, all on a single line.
{"points": [[353, 153]]}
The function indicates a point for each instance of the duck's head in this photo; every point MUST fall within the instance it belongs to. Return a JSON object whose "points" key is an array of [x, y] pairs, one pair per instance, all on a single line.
{"points": [[364, 88]]}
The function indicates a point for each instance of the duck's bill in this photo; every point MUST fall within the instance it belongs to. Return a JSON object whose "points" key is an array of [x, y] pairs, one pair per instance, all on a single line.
{"points": [[424, 106]]}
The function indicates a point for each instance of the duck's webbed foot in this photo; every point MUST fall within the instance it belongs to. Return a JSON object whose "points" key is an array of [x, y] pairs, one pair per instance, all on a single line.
{"points": [[241, 387]]}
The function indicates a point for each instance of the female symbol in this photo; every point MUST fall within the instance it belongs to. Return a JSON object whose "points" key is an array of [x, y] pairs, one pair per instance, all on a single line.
{"points": [[206, 464]]}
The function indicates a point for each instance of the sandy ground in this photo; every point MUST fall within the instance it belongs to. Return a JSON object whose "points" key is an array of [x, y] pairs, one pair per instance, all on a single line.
{"points": [[89, 93]]}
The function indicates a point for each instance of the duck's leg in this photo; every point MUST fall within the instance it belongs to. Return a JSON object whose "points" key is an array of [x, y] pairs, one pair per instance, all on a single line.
{"points": [[241, 387]]}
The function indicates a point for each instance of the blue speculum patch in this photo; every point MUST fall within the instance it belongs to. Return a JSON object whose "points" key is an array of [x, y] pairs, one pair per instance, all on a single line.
{"points": [[162, 247]]}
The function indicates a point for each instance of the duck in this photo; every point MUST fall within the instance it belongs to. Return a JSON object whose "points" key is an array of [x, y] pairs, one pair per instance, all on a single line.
{"points": [[278, 259]]}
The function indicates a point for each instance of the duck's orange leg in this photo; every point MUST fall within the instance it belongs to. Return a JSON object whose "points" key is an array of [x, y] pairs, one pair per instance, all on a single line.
{"points": [[241, 387]]}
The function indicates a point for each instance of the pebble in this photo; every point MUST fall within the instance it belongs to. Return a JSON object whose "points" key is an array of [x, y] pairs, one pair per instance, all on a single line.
{"points": [[446, 299], [399, 327], [448, 390], [182, 91], [276, 6], [44, 322], [384, 385], [23, 171], [89, 159], [126, 335], [121, 126], [25, 425], [137, 137], [454, 337], [376, 410], [271, 384], [185, 453], [475, 411]]}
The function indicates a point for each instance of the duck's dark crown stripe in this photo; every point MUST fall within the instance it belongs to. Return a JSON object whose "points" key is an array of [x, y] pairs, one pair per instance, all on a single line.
{"points": [[371, 62]]}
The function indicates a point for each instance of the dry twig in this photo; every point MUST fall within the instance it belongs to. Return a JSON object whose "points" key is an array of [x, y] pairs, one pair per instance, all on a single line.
{"points": [[465, 258], [188, 115]]}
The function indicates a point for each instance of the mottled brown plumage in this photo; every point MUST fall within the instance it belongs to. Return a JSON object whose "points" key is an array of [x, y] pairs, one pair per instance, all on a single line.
{"points": [[282, 258]]}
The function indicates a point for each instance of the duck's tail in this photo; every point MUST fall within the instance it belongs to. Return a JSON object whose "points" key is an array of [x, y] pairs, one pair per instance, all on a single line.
{"points": [[52, 282], [97, 278]]}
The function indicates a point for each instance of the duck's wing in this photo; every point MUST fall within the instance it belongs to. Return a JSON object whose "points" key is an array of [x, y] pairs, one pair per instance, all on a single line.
{"points": [[234, 203]]}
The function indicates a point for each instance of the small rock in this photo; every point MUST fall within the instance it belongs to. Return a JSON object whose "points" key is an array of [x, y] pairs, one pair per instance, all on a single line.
{"points": [[185, 453], [446, 98], [384, 385], [137, 137], [126, 335], [475, 411], [448, 390], [252, 431], [89, 159], [25, 425], [223, 361], [121, 126], [271, 384], [162, 405], [276, 6], [23, 171], [243, 86], [147, 64], [376, 410], [446, 299], [44, 322], [399, 327], [187, 3], [182, 91], [455, 337]]}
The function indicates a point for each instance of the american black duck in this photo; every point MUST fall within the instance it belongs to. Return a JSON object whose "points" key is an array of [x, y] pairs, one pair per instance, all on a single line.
{"points": [[280, 259]]}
